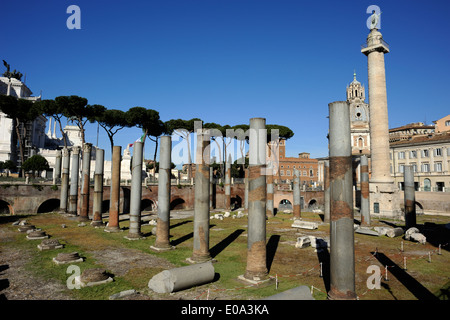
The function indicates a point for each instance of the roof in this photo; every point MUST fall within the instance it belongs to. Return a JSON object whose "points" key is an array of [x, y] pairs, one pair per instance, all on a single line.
{"points": [[415, 125], [423, 139]]}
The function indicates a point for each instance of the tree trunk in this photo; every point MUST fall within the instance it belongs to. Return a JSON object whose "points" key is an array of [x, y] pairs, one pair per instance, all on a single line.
{"points": [[62, 131]]}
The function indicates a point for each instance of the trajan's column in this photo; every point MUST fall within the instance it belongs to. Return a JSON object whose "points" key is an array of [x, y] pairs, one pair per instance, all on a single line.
{"points": [[383, 192]]}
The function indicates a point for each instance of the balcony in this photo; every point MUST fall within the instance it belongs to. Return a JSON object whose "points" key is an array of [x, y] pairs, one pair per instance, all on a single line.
{"points": [[380, 45]]}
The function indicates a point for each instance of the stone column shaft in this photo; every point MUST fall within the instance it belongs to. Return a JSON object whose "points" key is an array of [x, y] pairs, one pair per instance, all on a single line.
{"points": [[85, 178], [246, 190], [228, 184], [409, 197], [269, 202], [326, 186], [342, 255], [365, 201], [164, 183], [64, 180], [296, 195], [98, 187], [113, 223], [73, 193], [211, 192], [256, 240], [136, 192], [200, 251], [379, 127], [57, 172]]}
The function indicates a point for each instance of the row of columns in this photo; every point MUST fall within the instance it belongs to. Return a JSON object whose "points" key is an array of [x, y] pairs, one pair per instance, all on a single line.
{"points": [[69, 187], [340, 190]]}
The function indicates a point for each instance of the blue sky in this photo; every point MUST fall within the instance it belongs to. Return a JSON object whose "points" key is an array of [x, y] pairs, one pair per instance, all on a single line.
{"points": [[227, 61]]}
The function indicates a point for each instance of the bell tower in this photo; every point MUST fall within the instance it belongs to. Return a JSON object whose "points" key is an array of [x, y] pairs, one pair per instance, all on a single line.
{"points": [[359, 118]]}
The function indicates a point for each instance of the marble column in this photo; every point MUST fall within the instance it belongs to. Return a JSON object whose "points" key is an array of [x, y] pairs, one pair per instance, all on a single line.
{"points": [[64, 180], [73, 192], [98, 188], [200, 251], [85, 179], [342, 251], [256, 240], [136, 192], [162, 242], [113, 223]]}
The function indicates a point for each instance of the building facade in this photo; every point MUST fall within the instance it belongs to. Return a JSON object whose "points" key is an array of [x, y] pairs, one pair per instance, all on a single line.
{"points": [[442, 125], [34, 131], [308, 167], [428, 151]]}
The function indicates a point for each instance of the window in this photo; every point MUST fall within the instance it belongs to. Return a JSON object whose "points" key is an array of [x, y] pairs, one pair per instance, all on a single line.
{"points": [[360, 142], [447, 123], [413, 154], [401, 155], [414, 167], [288, 172], [425, 167], [401, 168], [311, 173], [438, 152], [438, 166], [425, 153], [304, 172], [376, 207], [282, 172], [427, 185]]}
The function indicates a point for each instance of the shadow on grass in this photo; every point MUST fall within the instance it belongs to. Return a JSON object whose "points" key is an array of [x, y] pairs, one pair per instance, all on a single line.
{"points": [[324, 257], [180, 224], [186, 237], [218, 248], [414, 286], [272, 246]]}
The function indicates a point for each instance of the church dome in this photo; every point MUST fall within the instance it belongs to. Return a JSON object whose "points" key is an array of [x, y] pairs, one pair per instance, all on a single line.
{"points": [[354, 80]]}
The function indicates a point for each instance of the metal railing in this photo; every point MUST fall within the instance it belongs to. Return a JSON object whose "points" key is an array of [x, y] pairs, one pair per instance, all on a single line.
{"points": [[381, 41]]}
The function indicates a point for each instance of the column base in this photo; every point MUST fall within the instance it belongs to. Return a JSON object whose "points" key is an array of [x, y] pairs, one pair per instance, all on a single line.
{"points": [[134, 236], [97, 223], [112, 229], [198, 259], [254, 279], [384, 200], [162, 249], [334, 294]]}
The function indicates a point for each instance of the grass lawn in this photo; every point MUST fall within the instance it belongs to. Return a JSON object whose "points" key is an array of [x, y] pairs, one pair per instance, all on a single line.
{"points": [[133, 263]]}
